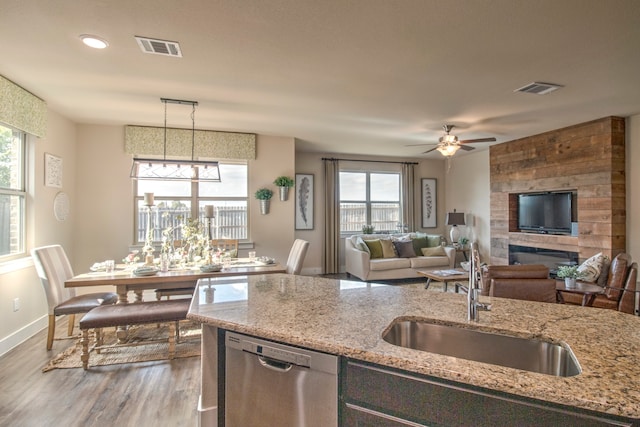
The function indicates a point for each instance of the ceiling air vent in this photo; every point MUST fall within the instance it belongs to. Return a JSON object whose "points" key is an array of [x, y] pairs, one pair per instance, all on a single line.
{"points": [[159, 47], [539, 88]]}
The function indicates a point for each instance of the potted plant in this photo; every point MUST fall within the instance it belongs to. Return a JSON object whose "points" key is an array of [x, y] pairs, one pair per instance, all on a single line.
{"points": [[368, 229], [569, 273], [463, 242], [264, 195], [284, 182]]}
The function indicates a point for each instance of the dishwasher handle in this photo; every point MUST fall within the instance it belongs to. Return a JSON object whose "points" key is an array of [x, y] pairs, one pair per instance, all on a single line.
{"points": [[275, 365]]}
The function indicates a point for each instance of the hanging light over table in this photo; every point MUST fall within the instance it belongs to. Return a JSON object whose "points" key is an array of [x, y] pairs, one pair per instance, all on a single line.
{"points": [[173, 169]]}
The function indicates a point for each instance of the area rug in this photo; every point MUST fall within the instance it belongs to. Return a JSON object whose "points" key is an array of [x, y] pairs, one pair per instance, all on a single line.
{"points": [[188, 346]]}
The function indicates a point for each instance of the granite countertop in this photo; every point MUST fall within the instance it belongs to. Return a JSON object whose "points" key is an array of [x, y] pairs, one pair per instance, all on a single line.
{"points": [[348, 318]]}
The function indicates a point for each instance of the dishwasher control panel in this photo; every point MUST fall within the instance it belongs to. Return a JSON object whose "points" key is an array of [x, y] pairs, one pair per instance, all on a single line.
{"points": [[268, 349]]}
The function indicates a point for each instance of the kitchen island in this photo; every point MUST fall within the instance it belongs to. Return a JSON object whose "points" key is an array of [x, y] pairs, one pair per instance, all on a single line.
{"points": [[347, 319]]}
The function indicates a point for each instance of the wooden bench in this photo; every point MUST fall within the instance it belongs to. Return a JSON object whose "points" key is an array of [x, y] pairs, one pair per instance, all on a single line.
{"points": [[169, 311]]}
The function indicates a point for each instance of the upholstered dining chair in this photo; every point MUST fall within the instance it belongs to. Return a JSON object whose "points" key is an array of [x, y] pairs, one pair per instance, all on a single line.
{"points": [[53, 268], [296, 256]]}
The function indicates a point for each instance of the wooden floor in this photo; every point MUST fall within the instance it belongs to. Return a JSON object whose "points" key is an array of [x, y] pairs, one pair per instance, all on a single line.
{"points": [[159, 393]]}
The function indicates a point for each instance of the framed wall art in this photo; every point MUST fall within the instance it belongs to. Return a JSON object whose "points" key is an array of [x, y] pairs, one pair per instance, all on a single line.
{"points": [[304, 201], [429, 199], [52, 171]]}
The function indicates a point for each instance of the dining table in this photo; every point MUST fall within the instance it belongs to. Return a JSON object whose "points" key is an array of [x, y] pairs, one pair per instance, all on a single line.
{"points": [[125, 281]]}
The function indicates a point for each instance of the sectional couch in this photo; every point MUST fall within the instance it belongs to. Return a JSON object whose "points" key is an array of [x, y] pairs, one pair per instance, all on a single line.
{"points": [[395, 256]]}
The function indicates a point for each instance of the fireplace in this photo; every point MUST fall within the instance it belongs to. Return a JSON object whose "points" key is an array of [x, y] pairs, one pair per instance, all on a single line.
{"points": [[551, 258]]}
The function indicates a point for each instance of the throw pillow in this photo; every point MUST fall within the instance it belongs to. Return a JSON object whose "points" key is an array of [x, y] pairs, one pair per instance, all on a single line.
{"points": [[433, 241], [419, 243], [604, 273], [405, 249], [375, 248], [436, 251], [388, 250], [591, 268], [360, 244]]}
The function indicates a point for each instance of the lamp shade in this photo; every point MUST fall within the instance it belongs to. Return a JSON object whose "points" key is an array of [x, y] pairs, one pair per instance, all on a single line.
{"points": [[455, 218]]}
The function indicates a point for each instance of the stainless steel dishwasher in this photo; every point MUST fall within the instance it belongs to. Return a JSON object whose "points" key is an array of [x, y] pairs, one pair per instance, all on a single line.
{"points": [[270, 384]]}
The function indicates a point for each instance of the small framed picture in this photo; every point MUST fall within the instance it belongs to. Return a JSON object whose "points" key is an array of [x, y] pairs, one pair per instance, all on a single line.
{"points": [[304, 201], [52, 171], [429, 202]]}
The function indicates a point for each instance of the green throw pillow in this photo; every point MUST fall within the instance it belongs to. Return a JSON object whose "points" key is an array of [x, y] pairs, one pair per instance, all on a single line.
{"points": [[433, 241], [375, 248], [419, 243]]}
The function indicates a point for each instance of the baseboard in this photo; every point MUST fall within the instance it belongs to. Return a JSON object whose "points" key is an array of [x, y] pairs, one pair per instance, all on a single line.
{"points": [[23, 334]]}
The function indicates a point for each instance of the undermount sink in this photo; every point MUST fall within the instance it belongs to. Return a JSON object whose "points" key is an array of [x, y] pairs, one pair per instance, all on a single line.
{"points": [[513, 352]]}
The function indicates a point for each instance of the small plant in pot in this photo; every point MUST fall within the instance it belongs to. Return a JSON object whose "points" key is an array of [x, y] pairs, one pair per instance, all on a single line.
{"points": [[569, 273], [368, 229], [284, 183], [463, 242], [264, 195]]}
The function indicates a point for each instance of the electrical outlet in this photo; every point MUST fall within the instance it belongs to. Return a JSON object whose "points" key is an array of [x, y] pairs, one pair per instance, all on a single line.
{"points": [[16, 304]]}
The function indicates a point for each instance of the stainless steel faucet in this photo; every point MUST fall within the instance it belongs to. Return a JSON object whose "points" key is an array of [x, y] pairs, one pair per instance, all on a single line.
{"points": [[474, 306]]}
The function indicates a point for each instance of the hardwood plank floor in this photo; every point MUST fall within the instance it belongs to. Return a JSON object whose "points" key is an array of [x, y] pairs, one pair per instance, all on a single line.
{"points": [[158, 393]]}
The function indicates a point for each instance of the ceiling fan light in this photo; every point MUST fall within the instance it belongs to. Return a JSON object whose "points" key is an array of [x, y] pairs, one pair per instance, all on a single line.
{"points": [[448, 150]]}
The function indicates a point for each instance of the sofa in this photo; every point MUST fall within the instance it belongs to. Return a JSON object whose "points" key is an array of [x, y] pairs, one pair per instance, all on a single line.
{"points": [[395, 256]]}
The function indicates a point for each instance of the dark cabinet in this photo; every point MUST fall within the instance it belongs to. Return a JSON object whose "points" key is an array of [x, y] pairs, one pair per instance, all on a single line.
{"points": [[376, 396]]}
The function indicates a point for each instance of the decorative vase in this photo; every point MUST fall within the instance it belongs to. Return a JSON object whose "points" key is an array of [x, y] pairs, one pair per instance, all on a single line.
{"points": [[570, 282], [284, 194], [264, 206]]}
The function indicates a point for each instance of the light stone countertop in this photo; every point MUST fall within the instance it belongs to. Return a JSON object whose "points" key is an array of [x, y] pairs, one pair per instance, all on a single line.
{"points": [[347, 318]]}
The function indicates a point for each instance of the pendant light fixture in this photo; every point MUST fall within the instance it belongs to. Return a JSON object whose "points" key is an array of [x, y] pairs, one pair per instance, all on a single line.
{"points": [[174, 169]]}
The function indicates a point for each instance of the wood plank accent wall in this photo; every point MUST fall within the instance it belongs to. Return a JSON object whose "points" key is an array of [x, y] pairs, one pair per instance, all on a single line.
{"points": [[588, 158]]}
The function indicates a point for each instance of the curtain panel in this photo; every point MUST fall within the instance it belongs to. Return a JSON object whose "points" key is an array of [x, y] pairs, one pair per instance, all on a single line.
{"points": [[331, 263]]}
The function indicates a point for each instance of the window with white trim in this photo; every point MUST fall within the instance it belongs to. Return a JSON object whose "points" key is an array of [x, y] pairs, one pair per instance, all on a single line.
{"points": [[369, 198], [176, 202], [12, 192]]}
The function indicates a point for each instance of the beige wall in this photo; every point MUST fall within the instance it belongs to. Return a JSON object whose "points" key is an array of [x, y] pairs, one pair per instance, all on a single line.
{"points": [[467, 190]]}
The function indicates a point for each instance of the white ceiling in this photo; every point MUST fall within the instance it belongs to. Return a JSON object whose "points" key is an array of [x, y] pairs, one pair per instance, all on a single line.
{"points": [[341, 76]]}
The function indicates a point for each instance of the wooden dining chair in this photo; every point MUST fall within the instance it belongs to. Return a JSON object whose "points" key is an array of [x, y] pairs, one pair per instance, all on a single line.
{"points": [[226, 245], [54, 269]]}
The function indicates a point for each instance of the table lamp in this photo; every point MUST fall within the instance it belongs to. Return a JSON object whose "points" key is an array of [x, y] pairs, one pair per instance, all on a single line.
{"points": [[454, 219]]}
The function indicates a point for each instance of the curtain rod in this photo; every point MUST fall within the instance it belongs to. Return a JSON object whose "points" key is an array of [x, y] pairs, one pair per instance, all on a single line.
{"points": [[369, 161]]}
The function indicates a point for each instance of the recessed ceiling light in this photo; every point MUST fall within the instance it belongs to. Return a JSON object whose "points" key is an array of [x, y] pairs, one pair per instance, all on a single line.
{"points": [[94, 41]]}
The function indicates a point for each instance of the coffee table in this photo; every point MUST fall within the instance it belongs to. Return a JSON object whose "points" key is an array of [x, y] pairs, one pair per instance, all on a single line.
{"points": [[444, 276], [587, 290]]}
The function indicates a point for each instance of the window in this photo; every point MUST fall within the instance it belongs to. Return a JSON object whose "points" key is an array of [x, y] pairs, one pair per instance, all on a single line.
{"points": [[369, 198], [12, 191], [175, 202]]}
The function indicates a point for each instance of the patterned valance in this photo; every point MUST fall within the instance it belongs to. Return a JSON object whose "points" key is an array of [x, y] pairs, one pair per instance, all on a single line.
{"points": [[21, 109], [149, 141]]}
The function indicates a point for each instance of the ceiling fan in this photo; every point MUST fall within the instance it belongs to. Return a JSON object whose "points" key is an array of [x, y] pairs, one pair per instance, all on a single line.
{"points": [[449, 144]]}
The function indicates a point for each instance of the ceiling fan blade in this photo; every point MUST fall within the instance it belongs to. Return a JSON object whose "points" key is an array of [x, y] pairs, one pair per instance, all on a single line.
{"points": [[467, 147], [428, 151], [417, 145], [471, 141]]}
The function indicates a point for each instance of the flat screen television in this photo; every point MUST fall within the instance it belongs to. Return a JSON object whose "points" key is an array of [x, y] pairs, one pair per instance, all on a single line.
{"points": [[545, 212]]}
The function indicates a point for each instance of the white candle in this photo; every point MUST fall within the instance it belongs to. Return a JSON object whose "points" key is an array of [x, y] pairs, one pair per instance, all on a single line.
{"points": [[148, 199], [208, 211]]}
